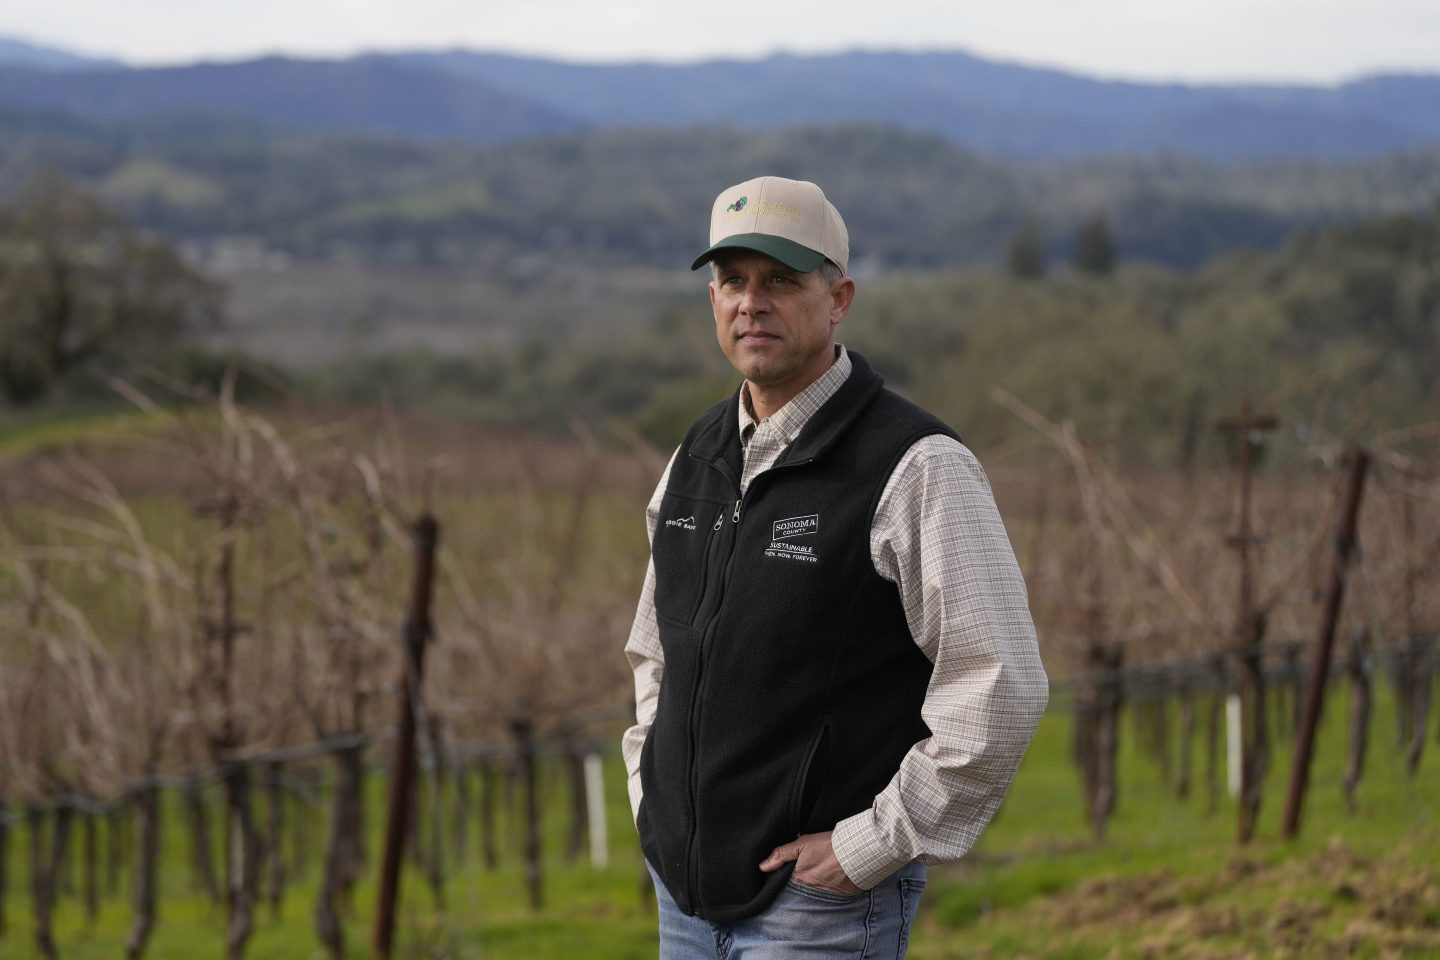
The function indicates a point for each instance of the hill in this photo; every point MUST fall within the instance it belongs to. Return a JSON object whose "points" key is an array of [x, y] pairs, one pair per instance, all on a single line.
{"points": [[629, 197], [367, 95], [992, 107]]}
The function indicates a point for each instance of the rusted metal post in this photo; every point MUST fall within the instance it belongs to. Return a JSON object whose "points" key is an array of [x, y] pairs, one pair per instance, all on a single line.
{"points": [[402, 775], [1335, 593]]}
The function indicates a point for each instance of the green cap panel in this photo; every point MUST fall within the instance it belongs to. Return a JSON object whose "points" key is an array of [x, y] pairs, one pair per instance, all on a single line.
{"points": [[799, 258]]}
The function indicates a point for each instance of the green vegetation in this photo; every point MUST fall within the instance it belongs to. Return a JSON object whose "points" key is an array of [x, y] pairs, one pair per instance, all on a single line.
{"points": [[912, 200], [1169, 877], [1340, 322], [568, 322], [82, 291]]}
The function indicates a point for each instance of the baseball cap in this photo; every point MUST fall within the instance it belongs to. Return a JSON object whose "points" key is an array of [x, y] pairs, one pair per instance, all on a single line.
{"points": [[789, 220]]}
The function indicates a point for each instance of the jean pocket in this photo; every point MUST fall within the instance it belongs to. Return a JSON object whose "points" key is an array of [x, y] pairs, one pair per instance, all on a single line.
{"points": [[823, 895], [910, 890]]}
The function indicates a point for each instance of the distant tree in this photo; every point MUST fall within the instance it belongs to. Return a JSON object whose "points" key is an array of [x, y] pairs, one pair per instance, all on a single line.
{"points": [[1025, 256], [80, 287], [1094, 249]]}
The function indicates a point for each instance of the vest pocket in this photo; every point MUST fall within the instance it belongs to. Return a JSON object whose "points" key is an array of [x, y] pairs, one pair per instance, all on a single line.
{"points": [[685, 537], [805, 794]]}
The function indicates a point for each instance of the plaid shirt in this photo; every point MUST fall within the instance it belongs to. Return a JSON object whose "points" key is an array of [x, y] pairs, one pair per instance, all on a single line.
{"points": [[938, 537]]}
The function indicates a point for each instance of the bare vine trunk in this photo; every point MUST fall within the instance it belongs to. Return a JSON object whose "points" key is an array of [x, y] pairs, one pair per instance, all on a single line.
{"points": [[579, 808], [1419, 706], [1255, 759], [439, 773], [1160, 739], [487, 815], [62, 874], [42, 883], [1098, 734], [1107, 741], [202, 862], [342, 854], [1187, 740], [242, 849], [114, 850], [275, 836], [1212, 737], [523, 733], [462, 813], [300, 827], [1297, 685], [147, 805], [4, 864], [1360, 695], [91, 880]]}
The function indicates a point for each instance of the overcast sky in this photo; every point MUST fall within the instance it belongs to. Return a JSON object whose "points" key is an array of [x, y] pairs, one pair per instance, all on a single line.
{"points": [[1273, 40]]}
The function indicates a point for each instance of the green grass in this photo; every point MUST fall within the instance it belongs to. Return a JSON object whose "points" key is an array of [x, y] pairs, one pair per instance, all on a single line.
{"points": [[1169, 875], [24, 436], [1038, 875]]}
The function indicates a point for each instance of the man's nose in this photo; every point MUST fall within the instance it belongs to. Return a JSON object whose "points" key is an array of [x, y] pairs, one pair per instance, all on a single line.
{"points": [[755, 299]]}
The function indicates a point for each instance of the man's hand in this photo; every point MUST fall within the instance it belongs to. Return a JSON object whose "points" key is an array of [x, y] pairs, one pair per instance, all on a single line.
{"points": [[815, 863]]}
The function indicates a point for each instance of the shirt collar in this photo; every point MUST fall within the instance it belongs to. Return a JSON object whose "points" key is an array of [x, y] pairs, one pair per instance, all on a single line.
{"points": [[790, 419]]}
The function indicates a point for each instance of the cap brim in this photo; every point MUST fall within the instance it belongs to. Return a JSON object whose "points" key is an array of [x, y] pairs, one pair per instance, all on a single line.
{"points": [[799, 258]]}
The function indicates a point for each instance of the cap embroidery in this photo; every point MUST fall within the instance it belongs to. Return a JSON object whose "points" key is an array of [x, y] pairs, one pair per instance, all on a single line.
{"points": [[774, 208], [738, 205]]}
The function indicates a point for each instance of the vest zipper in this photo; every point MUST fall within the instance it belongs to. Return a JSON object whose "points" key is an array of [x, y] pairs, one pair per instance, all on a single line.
{"points": [[692, 868], [705, 566]]}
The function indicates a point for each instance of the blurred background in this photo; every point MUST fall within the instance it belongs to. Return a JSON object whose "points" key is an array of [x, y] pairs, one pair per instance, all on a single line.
{"points": [[276, 280]]}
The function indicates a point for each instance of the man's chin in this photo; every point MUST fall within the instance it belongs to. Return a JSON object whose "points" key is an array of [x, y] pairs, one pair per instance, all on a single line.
{"points": [[760, 374]]}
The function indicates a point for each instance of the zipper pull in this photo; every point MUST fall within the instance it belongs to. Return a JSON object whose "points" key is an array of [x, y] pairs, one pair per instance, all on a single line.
{"points": [[735, 518], [719, 519]]}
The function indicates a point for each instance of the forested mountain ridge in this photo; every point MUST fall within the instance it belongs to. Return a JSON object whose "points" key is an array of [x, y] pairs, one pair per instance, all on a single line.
{"points": [[629, 197], [994, 107]]}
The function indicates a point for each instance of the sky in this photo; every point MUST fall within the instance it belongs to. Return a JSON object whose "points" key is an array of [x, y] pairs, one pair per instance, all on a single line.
{"points": [[1314, 41]]}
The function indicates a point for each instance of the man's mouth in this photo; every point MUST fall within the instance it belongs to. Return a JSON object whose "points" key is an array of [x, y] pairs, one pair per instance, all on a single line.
{"points": [[756, 336]]}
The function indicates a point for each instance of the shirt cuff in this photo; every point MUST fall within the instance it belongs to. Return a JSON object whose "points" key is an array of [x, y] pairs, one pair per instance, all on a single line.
{"points": [[633, 785], [863, 851]]}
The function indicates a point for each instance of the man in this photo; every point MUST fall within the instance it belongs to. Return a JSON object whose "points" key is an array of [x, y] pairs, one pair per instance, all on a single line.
{"points": [[835, 668]]}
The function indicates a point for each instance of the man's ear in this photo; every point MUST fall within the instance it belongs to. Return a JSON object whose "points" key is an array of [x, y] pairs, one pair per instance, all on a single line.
{"points": [[842, 295]]}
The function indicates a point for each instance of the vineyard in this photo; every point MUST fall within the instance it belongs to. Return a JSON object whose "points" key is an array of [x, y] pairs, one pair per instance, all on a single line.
{"points": [[258, 668]]}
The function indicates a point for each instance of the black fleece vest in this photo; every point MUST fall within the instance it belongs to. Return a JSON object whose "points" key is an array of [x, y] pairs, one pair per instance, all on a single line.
{"points": [[792, 686]]}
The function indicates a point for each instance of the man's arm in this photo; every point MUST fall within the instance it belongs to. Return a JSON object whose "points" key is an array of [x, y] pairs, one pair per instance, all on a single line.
{"points": [[647, 658], [938, 536]]}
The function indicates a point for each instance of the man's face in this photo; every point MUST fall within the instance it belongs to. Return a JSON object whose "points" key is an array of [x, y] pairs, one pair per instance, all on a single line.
{"points": [[776, 326]]}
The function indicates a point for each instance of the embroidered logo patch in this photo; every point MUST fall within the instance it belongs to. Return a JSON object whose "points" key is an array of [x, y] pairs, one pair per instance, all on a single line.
{"points": [[783, 531], [795, 527], [738, 205], [684, 523]]}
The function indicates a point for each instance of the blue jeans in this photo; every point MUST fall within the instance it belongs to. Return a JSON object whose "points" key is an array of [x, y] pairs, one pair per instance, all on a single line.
{"points": [[803, 922]]}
